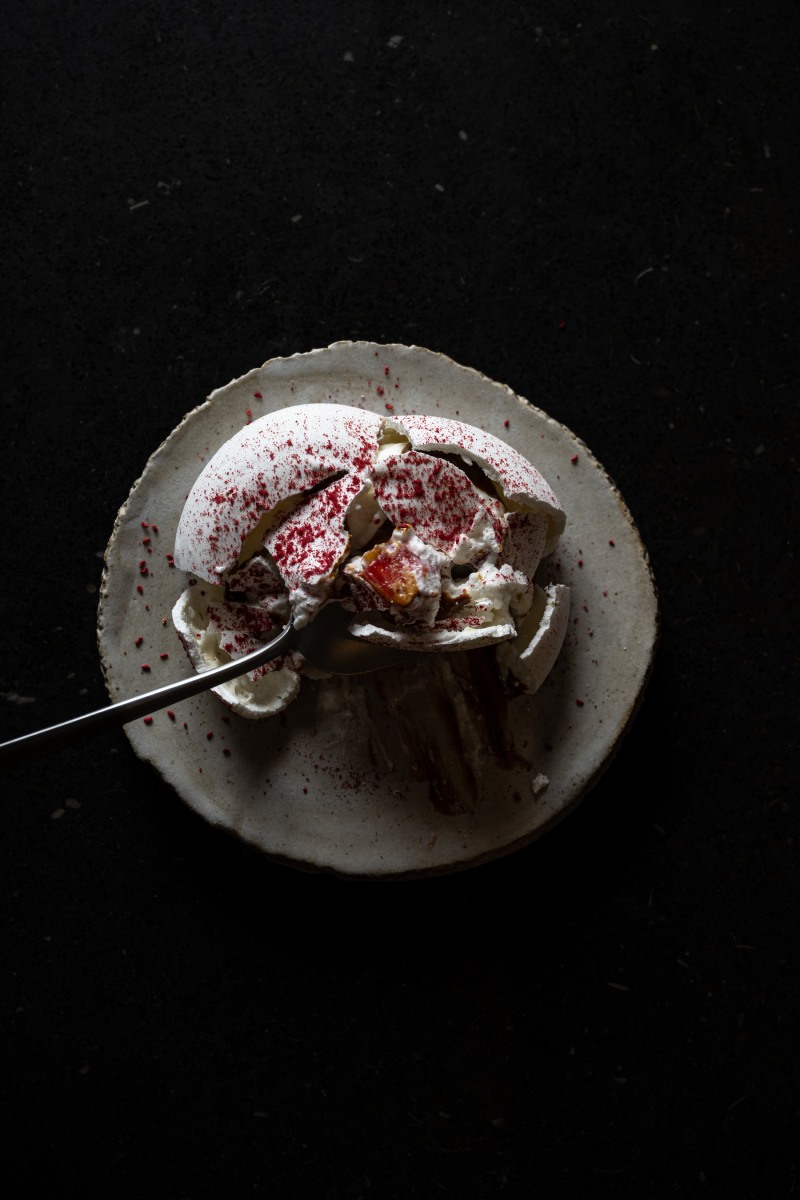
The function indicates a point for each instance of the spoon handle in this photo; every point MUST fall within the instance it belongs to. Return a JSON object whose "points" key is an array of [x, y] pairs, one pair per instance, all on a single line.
{"points": [[54, 736]]}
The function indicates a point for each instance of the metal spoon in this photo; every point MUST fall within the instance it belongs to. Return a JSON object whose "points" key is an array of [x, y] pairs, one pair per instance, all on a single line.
{"points": [[325, 642]]}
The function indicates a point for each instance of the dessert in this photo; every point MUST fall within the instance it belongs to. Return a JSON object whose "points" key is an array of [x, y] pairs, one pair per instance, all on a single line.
{"points": [[427, 529]]}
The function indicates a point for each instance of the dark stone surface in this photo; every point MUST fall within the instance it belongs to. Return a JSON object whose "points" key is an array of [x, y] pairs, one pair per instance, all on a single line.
{"points": [[599, 209]]}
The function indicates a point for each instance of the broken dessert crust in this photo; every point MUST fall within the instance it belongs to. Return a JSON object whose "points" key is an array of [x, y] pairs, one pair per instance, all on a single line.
{"points": [[271, 524]]}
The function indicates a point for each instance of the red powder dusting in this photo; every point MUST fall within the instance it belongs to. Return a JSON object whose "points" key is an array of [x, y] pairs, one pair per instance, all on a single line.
{"points": [[406, 484], [514, 470], [312, 539], [279, 469], [459, 623]]}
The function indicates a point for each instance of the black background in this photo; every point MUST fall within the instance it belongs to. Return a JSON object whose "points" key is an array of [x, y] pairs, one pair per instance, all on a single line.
{"points": [[596, 205]]}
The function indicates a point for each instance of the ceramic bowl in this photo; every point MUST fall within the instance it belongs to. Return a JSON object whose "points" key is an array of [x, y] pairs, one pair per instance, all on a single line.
{"points": [[419, 770]]}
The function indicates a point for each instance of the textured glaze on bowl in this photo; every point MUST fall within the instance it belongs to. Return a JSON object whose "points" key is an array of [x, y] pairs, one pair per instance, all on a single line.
{"points": [[349, 778]]}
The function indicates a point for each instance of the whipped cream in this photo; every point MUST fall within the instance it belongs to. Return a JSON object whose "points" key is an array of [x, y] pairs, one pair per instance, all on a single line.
{"points": [[215, 631], [429, 530]]}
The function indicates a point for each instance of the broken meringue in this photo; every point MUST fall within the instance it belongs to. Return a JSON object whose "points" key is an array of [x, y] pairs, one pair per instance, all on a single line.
{"points": [[428, 529]]}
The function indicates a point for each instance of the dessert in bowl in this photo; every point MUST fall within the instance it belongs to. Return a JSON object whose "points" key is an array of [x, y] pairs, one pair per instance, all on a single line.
{"points": [[429, 530], [465, 753]]}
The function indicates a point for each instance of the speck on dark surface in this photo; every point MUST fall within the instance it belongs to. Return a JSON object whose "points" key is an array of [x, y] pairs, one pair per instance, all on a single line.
{"points": [[598, 209]]}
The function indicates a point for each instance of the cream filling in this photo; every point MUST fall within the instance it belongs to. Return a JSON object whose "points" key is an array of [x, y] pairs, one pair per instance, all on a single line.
{"points": [[259, 694]]}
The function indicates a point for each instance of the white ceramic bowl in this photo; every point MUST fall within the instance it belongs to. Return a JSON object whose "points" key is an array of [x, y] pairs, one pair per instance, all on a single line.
{"points": [[411, 772]]}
